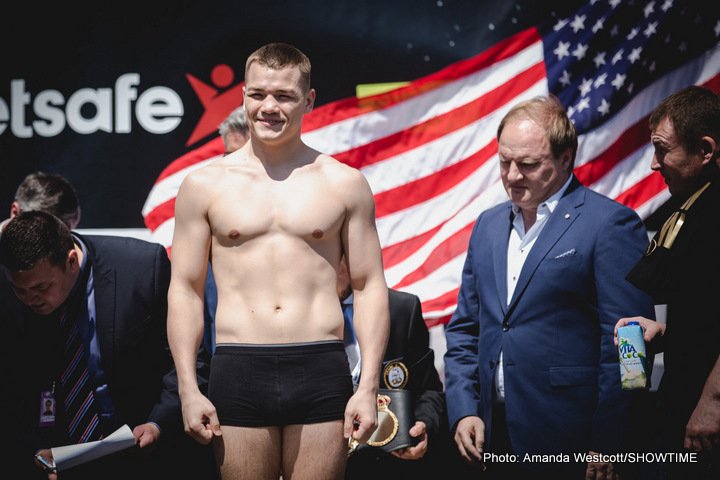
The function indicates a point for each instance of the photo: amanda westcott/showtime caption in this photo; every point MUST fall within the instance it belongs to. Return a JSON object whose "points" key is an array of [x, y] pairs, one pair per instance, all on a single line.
{"points": [[579, 457]]}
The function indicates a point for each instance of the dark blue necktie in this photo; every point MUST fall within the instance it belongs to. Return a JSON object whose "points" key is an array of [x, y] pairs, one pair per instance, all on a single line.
{"points": [[349, 335]]}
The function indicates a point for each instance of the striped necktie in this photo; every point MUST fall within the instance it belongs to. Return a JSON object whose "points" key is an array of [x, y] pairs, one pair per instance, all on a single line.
{"points": [[79, 402]]}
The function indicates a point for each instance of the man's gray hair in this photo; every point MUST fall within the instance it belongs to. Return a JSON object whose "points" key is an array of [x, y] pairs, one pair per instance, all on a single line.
{"points": [[51, 193], [235, 122]]}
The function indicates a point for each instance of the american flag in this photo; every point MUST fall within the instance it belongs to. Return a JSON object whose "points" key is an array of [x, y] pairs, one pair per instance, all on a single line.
{"points": [[429, 152]]}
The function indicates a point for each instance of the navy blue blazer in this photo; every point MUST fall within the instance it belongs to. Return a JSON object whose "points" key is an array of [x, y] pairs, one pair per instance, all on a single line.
{"points": [[561, 373]]}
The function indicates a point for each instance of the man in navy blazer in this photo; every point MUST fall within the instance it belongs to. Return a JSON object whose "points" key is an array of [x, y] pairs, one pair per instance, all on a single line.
{"points": [[129, 299], [531, 367]]}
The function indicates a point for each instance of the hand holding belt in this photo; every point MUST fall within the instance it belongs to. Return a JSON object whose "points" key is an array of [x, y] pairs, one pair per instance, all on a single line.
{"points": [[396, 413]]}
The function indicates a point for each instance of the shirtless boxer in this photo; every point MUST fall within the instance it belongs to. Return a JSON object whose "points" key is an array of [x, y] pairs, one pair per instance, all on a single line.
{"points": [[274, 218]]}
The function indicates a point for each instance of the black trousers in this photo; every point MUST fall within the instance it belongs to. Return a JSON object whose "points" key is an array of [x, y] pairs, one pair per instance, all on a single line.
{"points": [[501, 446]]}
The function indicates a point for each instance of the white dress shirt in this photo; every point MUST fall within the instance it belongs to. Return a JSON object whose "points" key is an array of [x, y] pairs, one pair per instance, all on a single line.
{"points": [[519, 246]]}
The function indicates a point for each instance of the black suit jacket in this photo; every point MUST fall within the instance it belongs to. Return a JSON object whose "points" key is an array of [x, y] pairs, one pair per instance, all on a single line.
{"points": [[408, 343], [687, 279], [131, 279]]}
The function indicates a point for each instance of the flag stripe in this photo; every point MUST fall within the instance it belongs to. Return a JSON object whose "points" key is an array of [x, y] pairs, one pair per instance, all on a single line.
{"points": [[393, 254], [490, 196], [626, 173], [643, 190], [402, 225], [212, 148], [340, 110], [439, 182], [348, 134], [445, 151], [441, 301], [168, 187], [455, 245], [443, 124], [440, 280], [160, 213], [631, 139]]}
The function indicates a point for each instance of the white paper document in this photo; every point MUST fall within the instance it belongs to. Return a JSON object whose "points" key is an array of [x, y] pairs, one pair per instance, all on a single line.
{"points": [[70, 455]]}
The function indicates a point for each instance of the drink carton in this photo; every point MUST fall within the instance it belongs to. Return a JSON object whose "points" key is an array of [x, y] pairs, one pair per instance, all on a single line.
{"points": [[632, 356]]}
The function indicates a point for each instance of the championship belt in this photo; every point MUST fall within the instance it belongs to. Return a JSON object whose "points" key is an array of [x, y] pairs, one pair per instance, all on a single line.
{"points": [[396, 413]]}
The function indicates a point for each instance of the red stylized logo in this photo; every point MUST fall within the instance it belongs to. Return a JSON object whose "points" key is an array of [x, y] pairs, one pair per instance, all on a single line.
{"points": [[217, 104]]}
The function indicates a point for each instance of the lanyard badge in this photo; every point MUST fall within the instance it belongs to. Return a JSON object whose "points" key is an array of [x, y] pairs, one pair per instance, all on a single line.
{"points": [[47, 408]]}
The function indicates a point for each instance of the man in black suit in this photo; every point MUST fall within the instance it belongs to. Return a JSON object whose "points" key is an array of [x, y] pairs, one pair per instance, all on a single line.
{"points": [[46, 192], [117, 289], [681, 269], [408, 345]]}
